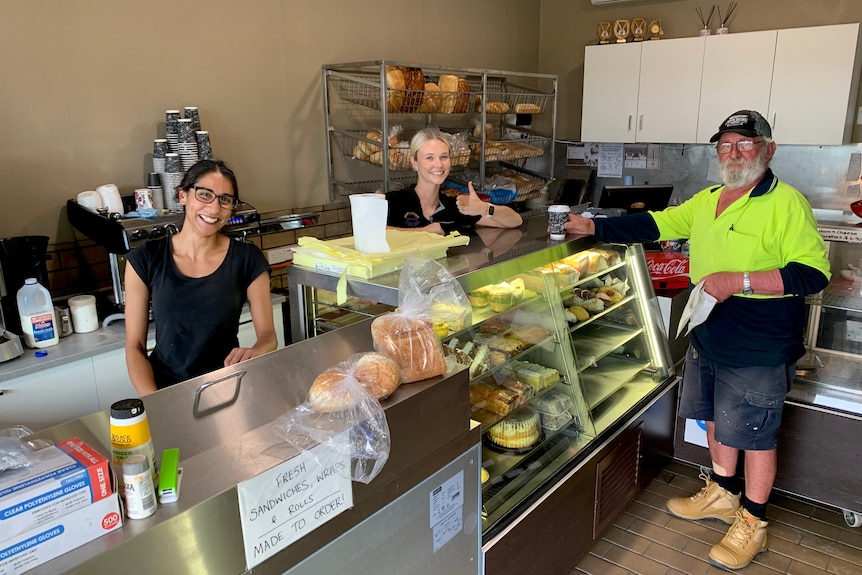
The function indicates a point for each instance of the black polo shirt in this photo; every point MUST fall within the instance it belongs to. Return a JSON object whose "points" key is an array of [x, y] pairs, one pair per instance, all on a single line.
{"points": [[405, 211]]}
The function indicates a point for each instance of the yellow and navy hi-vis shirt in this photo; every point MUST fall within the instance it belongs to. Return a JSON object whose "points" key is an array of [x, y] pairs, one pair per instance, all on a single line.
{"points": [[771, 227]]}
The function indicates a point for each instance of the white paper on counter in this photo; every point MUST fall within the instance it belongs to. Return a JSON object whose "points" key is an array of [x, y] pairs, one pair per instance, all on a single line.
{"points": [[369, 212], [293, 499]]}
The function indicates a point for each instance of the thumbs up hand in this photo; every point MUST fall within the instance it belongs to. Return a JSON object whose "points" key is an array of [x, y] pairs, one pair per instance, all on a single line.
{"points": [[471, 204]]}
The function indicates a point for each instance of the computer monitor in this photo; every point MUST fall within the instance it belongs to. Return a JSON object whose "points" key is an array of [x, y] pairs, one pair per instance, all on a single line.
{"points": [[634, 199]]}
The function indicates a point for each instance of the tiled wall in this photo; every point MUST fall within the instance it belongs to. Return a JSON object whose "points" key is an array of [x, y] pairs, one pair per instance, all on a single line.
{"points": [[82, 266]]}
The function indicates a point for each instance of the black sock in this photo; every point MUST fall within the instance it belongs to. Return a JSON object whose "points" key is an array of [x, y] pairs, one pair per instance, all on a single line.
{"points": [[732, 484], [756, 509]]}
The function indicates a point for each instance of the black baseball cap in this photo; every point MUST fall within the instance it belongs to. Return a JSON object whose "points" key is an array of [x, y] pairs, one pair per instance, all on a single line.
{"points": [[745, 122]]}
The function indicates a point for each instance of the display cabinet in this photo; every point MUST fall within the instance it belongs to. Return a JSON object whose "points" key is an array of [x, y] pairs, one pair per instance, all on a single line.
{"points": [[500, 123], [564, 344]]}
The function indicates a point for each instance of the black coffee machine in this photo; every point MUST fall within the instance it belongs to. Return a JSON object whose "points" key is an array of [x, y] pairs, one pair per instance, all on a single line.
{"points": [[20, 258]]}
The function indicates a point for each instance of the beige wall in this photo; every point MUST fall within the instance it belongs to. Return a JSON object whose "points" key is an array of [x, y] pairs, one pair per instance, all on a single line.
{"points": [[84, 85], [568, 25]]}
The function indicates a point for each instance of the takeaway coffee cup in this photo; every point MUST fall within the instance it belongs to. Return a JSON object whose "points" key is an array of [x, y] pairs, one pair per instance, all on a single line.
{"points": [[558, 215]]}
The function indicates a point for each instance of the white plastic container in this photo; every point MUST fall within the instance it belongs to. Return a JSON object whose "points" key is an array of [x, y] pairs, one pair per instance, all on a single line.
{"points": [[84, 316], [38, 319]]}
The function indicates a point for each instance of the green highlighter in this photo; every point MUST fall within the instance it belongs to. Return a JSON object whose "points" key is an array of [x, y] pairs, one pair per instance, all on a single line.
{"points": [[170, 476]]}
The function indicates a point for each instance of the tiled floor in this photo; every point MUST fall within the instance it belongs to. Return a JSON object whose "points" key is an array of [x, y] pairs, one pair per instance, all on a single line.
{"points": [[804, 539]]}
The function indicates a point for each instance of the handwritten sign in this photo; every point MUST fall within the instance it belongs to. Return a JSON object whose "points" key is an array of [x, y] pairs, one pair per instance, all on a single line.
{"points": [[292, 499], [849, 235]]}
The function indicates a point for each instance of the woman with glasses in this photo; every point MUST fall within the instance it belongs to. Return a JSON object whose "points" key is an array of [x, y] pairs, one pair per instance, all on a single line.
{"points": [[198, 280]]}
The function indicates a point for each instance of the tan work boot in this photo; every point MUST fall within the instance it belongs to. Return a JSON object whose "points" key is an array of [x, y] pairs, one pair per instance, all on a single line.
{"points": [[744, 540], [711, 502]]}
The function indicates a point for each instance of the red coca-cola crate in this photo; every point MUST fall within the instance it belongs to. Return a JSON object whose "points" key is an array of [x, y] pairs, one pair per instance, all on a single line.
{"points": [[667, 270]]}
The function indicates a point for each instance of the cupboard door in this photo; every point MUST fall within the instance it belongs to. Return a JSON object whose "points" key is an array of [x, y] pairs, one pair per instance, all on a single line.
{"points": [[814, 85], [727, 86], [610, 104], [669, 93], [49, 397]]}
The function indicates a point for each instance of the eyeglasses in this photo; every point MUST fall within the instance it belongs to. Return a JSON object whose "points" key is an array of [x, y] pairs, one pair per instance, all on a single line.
{"points": [[741, 146], [207, 196]]}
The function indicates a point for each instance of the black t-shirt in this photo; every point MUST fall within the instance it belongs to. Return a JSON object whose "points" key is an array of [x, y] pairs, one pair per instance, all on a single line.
{"points": [[196, 318], [405, 211]]}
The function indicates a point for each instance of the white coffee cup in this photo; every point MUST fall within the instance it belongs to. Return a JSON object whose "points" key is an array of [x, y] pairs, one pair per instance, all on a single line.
{"points": [[90, 200], [111, 198], [558, 215]]}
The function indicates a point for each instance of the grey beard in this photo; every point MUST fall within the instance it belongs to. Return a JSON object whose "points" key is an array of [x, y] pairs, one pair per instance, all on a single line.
{"points": [[735, 177]]}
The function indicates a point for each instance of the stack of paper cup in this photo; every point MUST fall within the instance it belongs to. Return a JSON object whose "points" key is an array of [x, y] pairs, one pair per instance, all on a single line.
{"points": [[171, 128], [205, 149], [191, 112], [160, 148], [111, 198], [171, 180]]}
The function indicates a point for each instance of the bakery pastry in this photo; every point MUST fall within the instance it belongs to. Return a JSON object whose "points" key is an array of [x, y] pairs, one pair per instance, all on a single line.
{"points": [[412, 343], [449, 93], [527, 109], [518, 431], [329, 393], [414, 82], [379, 374], [395, 89], [462, 103], [430, 99], [494, 398]]}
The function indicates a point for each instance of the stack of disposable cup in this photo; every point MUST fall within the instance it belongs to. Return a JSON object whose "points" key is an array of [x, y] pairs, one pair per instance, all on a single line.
{"points": [[171, 180], [171, 128], [205, 150], [191, 112], [187, 146], [160, 148], [111, 200]]}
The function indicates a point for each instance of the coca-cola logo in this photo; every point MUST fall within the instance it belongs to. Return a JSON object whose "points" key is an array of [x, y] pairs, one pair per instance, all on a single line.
{"points": [[668, 268]]}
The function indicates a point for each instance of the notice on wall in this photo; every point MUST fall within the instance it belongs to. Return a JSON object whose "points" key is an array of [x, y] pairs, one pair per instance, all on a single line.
{"points": [[636, 156], [292, 499], [611, 160]]}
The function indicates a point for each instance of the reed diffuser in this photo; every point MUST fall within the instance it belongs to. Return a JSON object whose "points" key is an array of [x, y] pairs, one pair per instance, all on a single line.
{"points": [[705, 19], [722, 29]]}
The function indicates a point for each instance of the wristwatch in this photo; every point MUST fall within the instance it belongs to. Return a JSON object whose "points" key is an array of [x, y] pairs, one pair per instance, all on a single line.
{"points": [[490, 209], [746, 284]]}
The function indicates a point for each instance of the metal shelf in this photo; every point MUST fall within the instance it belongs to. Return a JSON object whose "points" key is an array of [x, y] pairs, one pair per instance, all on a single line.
{"points": [[608, 377], [599, 339]]}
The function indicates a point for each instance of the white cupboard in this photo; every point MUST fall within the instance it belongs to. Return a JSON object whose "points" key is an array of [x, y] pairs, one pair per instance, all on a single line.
{"points": [[737, 75], [804, 80], [814, 85], [642, 92]]}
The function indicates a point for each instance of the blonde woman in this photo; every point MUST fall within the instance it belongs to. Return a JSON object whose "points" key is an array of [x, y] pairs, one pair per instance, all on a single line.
{"points": [[423, 207]]}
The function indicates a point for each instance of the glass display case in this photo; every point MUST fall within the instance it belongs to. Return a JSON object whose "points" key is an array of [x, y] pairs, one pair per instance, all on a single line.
{"points": [[564, 342]]}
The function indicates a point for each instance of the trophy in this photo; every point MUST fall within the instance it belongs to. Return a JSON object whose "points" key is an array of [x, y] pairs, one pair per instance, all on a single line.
{"points": [[638, 28], [655, 30], [621, 30], [604, 32]]}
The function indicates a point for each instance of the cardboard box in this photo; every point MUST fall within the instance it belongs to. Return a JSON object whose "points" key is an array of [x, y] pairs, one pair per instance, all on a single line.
{"points": [[64, 477], [61, 535], [667, 270]]}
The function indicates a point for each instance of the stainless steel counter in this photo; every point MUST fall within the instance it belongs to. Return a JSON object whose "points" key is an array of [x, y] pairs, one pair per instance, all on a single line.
{"points": [[224, 436], [77, 346]]}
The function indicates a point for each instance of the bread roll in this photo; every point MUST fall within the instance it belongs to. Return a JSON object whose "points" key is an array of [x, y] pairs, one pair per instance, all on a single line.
{"points": [[430, 99], [414, 81], [379, 374], [527, 109], [395, 89], [328, 392], [462, 102], [449, 93], [412, 343]]}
